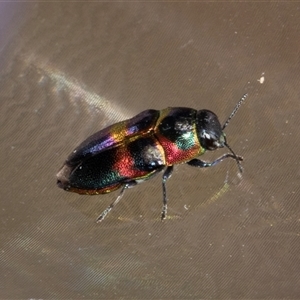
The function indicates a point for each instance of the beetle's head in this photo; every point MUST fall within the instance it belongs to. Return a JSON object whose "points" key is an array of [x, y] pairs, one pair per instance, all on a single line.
{"points": [[209, 130]]}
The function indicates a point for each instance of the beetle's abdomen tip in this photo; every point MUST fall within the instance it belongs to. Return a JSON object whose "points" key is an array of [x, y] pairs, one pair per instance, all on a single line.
{"points": [[63, 177]]}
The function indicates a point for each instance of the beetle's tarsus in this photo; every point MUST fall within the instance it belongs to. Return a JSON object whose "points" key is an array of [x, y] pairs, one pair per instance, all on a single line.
{"points": [[164, 212], [110, 207]]}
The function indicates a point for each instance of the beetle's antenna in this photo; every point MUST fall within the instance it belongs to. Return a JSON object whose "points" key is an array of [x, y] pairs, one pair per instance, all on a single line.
{"points": [[234, 112], [237, 158]]}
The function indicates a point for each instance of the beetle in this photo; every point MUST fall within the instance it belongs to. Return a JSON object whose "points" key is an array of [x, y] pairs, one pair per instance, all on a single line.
{"points": [[132, 151]]}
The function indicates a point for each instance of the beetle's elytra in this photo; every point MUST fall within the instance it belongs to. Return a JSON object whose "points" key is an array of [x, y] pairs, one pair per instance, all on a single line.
{"points": [[134, 150]]}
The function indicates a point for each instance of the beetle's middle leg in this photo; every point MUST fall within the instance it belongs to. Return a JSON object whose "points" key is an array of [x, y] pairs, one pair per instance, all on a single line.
{"points": [[203, 164], [167, 174]]}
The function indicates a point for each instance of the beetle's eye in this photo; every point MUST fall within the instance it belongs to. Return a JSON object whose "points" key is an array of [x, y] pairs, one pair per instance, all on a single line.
{"points": [[209, 130], [209, 141]]}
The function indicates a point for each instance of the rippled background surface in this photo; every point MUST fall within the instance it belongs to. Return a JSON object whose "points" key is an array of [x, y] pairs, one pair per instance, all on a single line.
{"points": [[70, 69]]}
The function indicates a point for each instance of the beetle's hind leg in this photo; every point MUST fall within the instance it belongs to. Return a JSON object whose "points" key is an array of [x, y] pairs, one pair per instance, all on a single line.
{"points": [[110, 207], [167, 174]]}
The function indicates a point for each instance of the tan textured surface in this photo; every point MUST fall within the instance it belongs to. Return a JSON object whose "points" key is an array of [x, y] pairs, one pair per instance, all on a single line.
{"points": [[70, 69]]}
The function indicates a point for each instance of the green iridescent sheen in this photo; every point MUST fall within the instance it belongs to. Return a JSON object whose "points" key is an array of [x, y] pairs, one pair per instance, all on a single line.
{"points": [[186, 141]]}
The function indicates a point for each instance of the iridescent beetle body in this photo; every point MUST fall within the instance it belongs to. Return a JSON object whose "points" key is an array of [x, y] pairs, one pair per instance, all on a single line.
{"points": [[134, 150]]}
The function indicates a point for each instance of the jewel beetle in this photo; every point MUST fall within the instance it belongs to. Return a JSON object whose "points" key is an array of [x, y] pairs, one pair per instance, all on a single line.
{"points": [[132, 151]]}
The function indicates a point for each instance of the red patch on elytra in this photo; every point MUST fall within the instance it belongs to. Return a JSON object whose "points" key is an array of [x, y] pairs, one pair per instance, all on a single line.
{"points": [[174, 155], [125, 165]]}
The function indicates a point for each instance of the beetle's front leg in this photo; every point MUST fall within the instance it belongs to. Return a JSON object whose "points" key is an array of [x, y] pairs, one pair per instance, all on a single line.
{"points": [[167, 174], [203, 164]]}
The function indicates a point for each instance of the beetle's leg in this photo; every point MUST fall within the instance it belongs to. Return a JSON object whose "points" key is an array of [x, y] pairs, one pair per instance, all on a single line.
{"points": [[203, 164], [110, 207], [167, 174]]}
